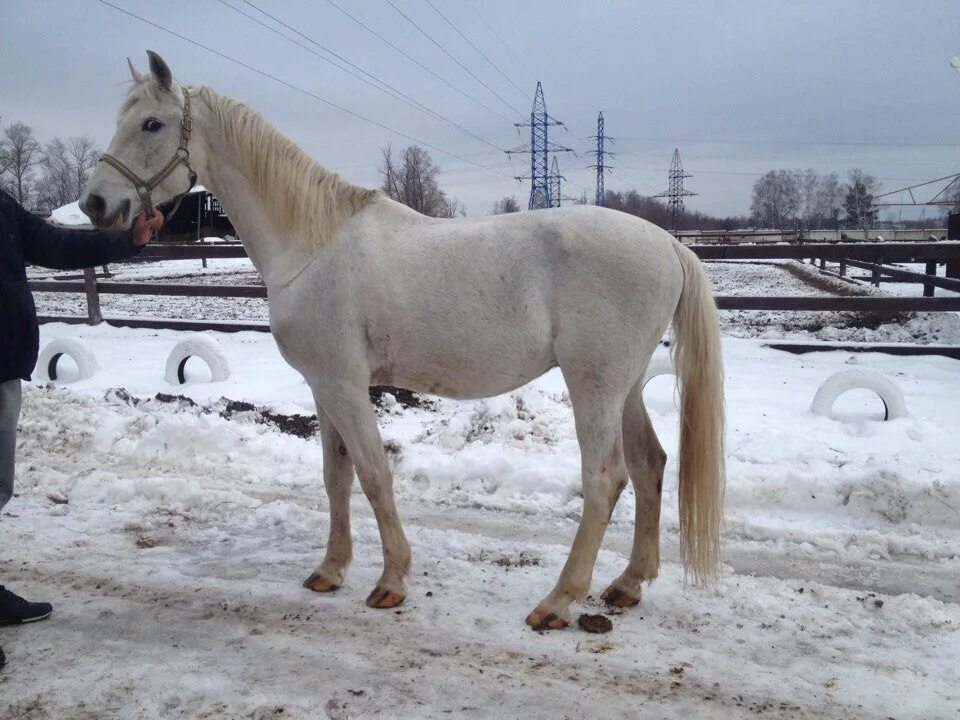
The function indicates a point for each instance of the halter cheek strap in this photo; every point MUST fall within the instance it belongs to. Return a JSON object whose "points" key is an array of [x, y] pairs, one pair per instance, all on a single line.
{"points": [[145, 188]]}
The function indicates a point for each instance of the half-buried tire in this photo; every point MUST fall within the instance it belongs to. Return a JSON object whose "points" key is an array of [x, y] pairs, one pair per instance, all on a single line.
{"points": [[658, 366], [76, 348], [840, 382], [203, 347]]}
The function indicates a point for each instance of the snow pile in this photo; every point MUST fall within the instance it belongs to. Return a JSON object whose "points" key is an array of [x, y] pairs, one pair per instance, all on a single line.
{"points": [[70, 215]]}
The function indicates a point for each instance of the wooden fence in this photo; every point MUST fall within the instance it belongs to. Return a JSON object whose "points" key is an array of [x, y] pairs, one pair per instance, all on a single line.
{"points": [[877, 258]]}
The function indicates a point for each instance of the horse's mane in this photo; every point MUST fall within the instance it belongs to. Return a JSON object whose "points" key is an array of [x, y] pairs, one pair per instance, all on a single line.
{"points": [[308, 202]]}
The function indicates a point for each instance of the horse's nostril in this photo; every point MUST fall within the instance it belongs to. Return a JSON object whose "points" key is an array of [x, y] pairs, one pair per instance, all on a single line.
{"points": [[94, 205]]}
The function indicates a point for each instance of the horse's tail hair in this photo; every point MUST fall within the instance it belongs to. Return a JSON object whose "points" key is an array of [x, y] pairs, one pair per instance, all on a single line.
{"points": [[699, 368]]}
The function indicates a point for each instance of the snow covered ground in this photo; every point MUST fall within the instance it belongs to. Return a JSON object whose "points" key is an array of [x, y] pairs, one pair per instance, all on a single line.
{"points": [[176, 562]]}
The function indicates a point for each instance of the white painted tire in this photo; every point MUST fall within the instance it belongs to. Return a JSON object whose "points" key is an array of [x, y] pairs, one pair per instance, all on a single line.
{"points": [[658, 366], [840, 382], [74, 347], [200, 346]]}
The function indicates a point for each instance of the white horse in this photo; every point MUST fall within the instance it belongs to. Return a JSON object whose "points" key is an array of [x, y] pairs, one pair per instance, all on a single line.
{"points": [[363, 290]]}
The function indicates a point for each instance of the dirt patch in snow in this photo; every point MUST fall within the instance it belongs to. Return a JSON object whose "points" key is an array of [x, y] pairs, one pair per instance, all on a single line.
{"points": [[302, 426]]}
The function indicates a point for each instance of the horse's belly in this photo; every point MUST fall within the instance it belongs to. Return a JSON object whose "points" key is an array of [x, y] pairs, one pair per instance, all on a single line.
{"points": [[463, 384], [457, 364]]}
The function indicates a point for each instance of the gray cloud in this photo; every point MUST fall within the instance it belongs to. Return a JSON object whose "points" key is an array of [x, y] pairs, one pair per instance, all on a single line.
{"points": [[788, 82]]}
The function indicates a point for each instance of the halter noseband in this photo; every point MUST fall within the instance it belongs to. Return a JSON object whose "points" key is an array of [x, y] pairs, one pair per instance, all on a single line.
{"points": [[145, 188]]}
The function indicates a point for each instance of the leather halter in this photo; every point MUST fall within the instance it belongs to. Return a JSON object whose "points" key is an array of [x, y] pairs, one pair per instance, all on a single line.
{"points": [[145, 188]]}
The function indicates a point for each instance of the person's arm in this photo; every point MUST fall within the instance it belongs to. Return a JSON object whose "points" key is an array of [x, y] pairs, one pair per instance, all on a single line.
{"points": [[65, 249]]}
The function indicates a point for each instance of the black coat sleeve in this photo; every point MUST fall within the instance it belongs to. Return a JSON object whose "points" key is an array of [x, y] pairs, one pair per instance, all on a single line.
{"points": [[64, 249]]}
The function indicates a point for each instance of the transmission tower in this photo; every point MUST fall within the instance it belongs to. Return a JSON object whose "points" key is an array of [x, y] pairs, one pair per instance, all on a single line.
{"points": [[539, 150], [675, 192], [601, 154], [555, 178]]}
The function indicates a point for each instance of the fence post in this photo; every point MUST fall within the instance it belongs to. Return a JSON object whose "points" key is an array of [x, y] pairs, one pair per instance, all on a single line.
{"points": [[876, 272], [843, 266], [931, 270], [93, 297]]}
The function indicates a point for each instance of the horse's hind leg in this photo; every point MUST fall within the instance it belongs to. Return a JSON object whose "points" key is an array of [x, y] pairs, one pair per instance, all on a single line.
{"points": [[645, 461], [338, 478], [597, 412]]}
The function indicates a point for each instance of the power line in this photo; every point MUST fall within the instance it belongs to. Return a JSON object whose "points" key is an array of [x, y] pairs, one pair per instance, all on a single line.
{"points": [[733, 172], [330, 103], [482, 54], [710, 141], [495, 33], [447, 53], [417, 62], [772, 158], [374, 81]]}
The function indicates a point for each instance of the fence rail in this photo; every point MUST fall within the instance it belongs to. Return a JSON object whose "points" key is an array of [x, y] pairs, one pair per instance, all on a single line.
{"points": [[874, 257]]}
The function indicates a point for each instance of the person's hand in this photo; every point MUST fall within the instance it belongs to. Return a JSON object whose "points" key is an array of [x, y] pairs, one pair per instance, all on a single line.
{"points": [[145, 226]]}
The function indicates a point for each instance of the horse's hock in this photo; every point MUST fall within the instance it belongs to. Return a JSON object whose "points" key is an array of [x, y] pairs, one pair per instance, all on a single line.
{"points": [[76, 348], [839, 383], [203, 347], [658, 366]]}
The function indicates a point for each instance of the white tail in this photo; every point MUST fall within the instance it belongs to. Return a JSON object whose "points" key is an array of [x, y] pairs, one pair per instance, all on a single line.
{"points": [[699, 367]]}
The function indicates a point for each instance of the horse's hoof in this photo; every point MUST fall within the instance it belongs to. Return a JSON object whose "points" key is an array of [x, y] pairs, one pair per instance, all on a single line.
{"points": [[615, 597], [384, 599], [318, 583], [545, 620]]}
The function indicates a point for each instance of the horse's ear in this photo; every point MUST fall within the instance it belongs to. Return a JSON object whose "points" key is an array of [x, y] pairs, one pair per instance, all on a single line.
{"points": [[137, 76], [160, 70]]}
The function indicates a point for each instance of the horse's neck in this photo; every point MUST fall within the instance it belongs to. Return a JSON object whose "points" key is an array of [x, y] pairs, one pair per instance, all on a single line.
{"points": [[277, 261], [279, 249]]}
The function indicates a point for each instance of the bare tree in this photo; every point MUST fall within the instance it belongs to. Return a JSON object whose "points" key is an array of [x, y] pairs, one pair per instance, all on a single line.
{"points": [[829, 199], [859, 192], [84, 154], [950, 194], [776, 198], [505, 205], [56, 183], [808, 182], [3, 160], [21, 155], [413, 180]]}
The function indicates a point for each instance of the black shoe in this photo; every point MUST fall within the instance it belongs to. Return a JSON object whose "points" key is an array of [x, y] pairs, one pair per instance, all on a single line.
{"points": [[15, 610]]}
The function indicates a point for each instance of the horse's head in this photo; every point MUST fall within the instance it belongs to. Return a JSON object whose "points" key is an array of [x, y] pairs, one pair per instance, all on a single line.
{"points": [[148, 141]]}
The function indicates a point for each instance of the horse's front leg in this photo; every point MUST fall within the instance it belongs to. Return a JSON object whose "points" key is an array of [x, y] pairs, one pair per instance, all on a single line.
{"points": [[338, 478], [350, 410]]}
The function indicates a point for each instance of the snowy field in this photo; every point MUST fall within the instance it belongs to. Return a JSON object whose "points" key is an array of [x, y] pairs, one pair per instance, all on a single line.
{"points": [[175, 563]]}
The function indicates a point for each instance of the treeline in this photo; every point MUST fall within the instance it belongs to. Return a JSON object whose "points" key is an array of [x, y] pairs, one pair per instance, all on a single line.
{"points": [[656, 211], [792, 199], [44, 177], [789, 199]]}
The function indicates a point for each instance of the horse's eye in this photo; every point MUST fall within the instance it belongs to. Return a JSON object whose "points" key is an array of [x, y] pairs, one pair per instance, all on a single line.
{"points": [[151, 125]]}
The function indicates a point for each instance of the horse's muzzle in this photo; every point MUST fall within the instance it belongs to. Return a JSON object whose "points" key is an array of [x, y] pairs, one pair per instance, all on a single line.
{"points": [[94, 207]]}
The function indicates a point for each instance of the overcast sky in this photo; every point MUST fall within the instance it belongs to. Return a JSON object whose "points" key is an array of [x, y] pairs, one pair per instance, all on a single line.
{"points": [[739, 87]]}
